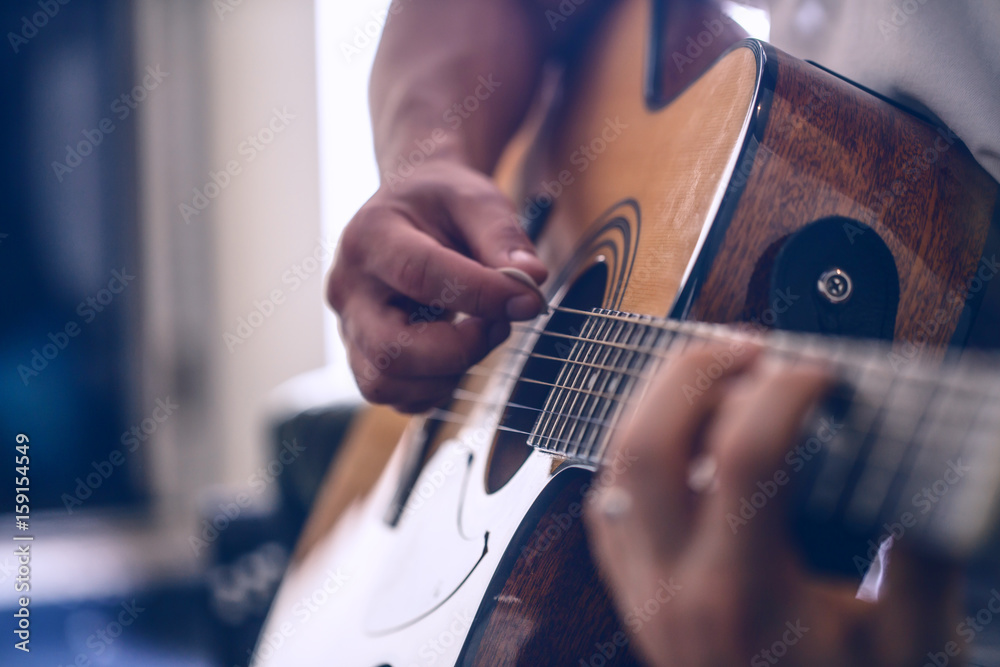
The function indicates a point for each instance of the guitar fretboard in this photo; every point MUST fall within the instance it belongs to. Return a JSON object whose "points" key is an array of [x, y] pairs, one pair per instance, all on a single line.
{"points": [[899, 440]]}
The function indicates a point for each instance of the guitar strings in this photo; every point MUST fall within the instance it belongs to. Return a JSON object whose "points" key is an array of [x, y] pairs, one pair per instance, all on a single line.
{"points": [[842, 353], [555, 385], [861, 398], [547, 357], [650, 351], [467, 396], [444, 415], [830, 349], [591, 447], [691, 331], [700, 331]]}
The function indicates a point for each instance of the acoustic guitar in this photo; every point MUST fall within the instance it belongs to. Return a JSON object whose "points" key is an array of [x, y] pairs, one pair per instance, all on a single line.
{"points": [[769, 199]]}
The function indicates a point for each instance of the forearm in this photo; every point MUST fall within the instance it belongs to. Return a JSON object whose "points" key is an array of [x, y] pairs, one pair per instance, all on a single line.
{"points": [[455, 77]]}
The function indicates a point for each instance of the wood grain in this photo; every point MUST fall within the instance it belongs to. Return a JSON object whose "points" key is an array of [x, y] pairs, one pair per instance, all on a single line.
{"points": [[831, 149], [547, 605], [674, 161]]}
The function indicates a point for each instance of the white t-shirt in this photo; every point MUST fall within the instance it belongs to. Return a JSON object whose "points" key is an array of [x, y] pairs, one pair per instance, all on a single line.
{"points": [[940, 57]]}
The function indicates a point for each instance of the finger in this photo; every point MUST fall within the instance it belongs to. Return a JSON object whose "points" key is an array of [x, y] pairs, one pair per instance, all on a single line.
{"points": [[417, 266], [415, 345], [651, 458], [758, 423], [489, 225]]}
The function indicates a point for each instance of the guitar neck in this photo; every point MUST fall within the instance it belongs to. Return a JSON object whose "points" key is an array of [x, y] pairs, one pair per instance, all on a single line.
{"points": [[899, 447]]}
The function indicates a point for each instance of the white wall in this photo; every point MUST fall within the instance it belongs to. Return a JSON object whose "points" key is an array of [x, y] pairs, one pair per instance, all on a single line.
{"points": [[262, 81], [214, 265], [347, 36]]}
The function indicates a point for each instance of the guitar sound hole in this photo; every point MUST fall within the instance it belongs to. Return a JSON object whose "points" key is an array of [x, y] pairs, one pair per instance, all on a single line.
{"points": [[540, 370]]}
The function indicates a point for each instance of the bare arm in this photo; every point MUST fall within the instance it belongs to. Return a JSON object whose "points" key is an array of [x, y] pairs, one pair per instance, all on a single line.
{"points": [[435, 54], [452, 81]]}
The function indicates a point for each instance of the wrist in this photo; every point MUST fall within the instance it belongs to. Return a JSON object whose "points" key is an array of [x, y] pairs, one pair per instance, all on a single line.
{"points": [[401, 158]]}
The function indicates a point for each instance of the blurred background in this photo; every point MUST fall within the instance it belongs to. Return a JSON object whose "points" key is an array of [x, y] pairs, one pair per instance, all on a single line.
{"points": [[173, 179], [170, 205]]}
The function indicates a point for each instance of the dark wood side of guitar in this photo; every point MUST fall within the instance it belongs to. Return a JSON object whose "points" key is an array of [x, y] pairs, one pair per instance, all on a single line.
{"points": [[827, 149], [547, 604]]}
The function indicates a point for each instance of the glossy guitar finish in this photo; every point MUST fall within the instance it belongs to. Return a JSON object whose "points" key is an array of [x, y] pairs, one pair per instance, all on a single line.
{"points": [[689, 211]]}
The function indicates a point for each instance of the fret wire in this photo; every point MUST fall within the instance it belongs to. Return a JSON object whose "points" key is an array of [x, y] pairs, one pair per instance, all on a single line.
{"points": [[558, 397], [594, 355], [864, 450], [595, 334], [592, 404], [858, 360], [647, 351], [873, 487], [554, 385], [778, 341], [562, 396], [933, 438], [789, 352], [588, 352], [628, 328], [630, 383], [604, 357], [971, 499], [837, 466], [694, 328]]}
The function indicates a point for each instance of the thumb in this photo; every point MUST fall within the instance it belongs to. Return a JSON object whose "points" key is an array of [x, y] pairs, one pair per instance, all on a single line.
{"points": [[492, 230]]}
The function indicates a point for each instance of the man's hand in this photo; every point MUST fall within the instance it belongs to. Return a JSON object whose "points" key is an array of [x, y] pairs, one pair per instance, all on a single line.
{"points": [[742, 597], [415, 255]]}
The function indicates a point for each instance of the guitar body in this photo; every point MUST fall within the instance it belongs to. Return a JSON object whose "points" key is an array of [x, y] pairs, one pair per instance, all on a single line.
{"points": [[732, 203]]}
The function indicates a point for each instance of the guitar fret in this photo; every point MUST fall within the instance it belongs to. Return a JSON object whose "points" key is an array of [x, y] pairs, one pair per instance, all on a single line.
{"points": [[969, 500], [887, 453], [899, 429], [594, 444], [843, 453], [543, 433], [600, 386], [647, 346], [583, 375], [938, 445], [595, 447]]}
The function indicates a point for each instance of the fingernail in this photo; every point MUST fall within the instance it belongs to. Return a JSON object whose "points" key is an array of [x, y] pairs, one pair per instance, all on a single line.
{"points": [[498, 334], [614, 503], [521, 256], [523, 307]]}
